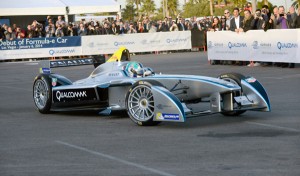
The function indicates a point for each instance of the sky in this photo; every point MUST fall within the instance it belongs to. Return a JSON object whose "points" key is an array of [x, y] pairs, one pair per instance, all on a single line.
{"points": [[181, 2]]}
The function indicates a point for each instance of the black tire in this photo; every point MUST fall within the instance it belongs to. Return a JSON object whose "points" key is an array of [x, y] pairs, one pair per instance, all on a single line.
{"points": [[139, 104], [234, 78], [42, 93]]}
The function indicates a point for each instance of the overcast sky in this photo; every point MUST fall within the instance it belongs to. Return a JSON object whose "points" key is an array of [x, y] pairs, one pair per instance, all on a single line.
{"points": [[181, 2]]}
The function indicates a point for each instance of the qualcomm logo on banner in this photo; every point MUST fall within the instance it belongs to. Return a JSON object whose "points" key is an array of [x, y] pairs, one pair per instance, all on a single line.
{"points": [[178, 40], [286, 45], [62, 51], [123, 43], [237, 45]]}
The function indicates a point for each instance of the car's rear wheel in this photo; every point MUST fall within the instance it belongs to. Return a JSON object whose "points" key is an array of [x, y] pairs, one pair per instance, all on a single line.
{"points": [[140, 104], [234, 78], [42, 93]]}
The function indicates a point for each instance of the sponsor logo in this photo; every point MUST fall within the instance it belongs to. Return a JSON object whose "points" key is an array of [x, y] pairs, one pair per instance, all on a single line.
{"points": [[123, 43], [210, 44], [144, 42], [237, 45], [250, 80], [257, 45], [61, 51], [114, 74], [166, 116], [54, 82], [160, 106], [281, 45], [80, 94], [176, 40], [45, 70]]}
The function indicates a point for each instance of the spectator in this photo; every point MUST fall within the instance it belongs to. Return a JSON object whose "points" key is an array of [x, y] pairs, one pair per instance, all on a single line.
{"points": [[258, 22], [30, 33], [50, 29], [228, 18], [82, 30], [72, 30], [153, 28], [140, 28], [160, 27], [282, 21], [106, 29], [38, 28], [131, 29], [181, 23], [166, 25], [266, 14], [123, 29], [115, 29], [20, 33], [236, 22], [298, 19], [60, 22], [59, 31], [10, 34], [216, 25], [47, 20], [174, 27], [146, 23], [1, 33], [91, 30], [292, 16], [223, 23]]}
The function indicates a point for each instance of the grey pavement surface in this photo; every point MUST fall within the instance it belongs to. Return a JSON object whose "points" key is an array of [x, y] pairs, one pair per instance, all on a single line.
{"points": [[255, 143]]}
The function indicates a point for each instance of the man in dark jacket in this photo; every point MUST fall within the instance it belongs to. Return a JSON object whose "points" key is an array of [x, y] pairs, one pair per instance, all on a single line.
{"points": [[237, 21]]}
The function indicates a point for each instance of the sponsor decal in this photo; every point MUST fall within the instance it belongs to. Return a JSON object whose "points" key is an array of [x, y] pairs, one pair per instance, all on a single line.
{"points": [[281, 45], [160, 106], [66, 95], [73, 62], [237, 45], [61, 51], [54, 82], [114, 74], [123, 43], [250, 80], [167, 116], [257, 45], [45, 70], [178, 40]]}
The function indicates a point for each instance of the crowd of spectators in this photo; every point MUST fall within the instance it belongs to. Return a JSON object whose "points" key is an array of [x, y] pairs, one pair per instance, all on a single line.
{"points": [[239, 20]]}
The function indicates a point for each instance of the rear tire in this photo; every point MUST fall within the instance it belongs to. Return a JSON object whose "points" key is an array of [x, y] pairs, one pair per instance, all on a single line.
{"points": [[42, 93], [140, 104], [234, 78]]}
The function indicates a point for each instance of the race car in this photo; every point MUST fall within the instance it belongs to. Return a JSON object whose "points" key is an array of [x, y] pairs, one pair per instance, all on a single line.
{"points": [[149, 98]]}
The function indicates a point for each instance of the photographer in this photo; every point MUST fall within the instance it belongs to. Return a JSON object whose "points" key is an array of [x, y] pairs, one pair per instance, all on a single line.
{"points": [[131, 29], [50, 29], [20, 33], [282, 20], [59, 31], [38, 28], [258, 22], [9, 34], [266, 14], [71, 31]]}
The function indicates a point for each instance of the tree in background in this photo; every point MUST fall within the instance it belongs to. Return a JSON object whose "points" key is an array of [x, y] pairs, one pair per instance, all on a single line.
{"points": [[197, 8], [148, 7], [172, 7], [296, 3], [129, 12]]}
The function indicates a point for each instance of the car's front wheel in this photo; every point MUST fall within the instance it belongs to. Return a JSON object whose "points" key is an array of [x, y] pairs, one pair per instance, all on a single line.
{"points": [[42, 93], [140, 104]]}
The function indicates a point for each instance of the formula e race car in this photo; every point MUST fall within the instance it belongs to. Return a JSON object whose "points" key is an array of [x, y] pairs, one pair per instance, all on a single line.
{"points": [[148, 98]]}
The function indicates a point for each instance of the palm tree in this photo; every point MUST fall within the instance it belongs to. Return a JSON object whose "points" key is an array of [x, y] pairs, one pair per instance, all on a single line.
{"points": [[172, 7], [148, 7], [296, 3]]}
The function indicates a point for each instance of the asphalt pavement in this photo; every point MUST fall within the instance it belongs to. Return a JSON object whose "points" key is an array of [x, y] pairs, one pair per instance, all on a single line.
{"points": [[84, 143]]}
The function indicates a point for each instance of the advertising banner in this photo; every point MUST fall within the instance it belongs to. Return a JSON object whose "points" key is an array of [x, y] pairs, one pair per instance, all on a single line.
{"points": [[255, 45], [40, 47], [139, 42]]}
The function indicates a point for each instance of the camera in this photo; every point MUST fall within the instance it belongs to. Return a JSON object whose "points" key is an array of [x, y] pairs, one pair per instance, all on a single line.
{"points": [[281, 15], [263, 10]]}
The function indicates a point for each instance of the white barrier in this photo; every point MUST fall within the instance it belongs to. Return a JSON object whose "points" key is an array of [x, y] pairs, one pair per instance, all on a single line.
{"points": [[255, 45], [94, 44]]}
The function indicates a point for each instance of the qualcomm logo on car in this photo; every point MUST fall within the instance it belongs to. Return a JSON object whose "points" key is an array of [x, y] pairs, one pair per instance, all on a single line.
{"points": [[237, 45], [123, 43], [60, 95], [286, 45], [176, 40]]}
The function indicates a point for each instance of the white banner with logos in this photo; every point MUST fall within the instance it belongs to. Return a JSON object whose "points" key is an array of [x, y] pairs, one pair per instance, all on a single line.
{"points": [[139, 42], [93, 45], [255, 45]]}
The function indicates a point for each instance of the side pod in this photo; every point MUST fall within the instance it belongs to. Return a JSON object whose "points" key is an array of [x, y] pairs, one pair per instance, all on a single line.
{"points": [[256, 93], [167, 106]]}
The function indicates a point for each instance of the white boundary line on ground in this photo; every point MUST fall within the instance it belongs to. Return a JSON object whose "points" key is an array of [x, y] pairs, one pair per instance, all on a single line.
{"points": [[273, 126], [115, 159]]}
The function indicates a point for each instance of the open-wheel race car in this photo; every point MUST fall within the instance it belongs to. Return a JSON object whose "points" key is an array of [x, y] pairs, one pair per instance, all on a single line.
{"points": [[148, 98]]}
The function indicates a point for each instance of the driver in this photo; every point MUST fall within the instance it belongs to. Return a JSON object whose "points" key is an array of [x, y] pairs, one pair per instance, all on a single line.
{"points": [[135, 69]]}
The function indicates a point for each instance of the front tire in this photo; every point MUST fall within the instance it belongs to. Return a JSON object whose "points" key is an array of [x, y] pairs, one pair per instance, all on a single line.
{"points": [[42, 93], [140, 104], [234, 78]]}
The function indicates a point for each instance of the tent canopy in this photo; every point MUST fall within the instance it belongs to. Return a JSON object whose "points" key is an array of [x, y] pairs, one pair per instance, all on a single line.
{"points": [[56, 7]]}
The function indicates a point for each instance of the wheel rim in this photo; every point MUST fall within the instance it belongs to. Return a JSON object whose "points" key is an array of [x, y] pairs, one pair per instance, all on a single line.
{"points": [[40, 93], [141, 103]]}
